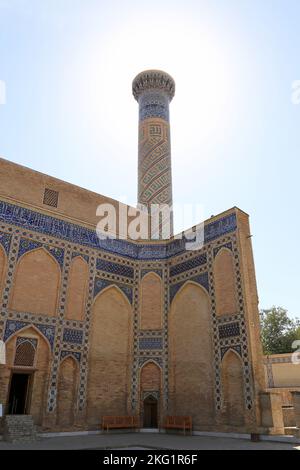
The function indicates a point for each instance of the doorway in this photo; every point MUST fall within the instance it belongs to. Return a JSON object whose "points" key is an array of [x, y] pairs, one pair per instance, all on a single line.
{"points": [[19, 394], [150, 412]]}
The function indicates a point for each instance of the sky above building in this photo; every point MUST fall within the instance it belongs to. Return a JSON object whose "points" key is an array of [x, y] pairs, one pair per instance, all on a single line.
{"points": [[66, 108]]}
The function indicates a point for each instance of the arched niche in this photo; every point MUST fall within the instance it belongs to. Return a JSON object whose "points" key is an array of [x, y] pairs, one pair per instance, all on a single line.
{"points": [[38, 373], [233, 407], [77, 289], [224, 278], [191, 370], [67, 392], [150, 377], [36, 283], [151, 300], [150, 393], [109, 355]]}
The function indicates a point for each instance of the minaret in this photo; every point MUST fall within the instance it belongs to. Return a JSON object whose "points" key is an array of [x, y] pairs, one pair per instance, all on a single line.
{"points": [[154, 90]]}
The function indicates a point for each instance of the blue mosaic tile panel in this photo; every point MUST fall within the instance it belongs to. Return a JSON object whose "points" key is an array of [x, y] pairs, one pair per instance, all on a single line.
{"points": [[12, 326], [72, 336], [201, 279], [75, 354], [5, 241], [101, 284], [53, 227], [27, 245], [153, 105], [236, 348], [187, 265], [220, 227], [119, 269], [229, 329], [150, 343], [57, 253], [218, 248]]}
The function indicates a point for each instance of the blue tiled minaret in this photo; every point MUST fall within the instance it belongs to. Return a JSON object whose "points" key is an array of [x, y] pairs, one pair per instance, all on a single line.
{"points": [[154, 90]]}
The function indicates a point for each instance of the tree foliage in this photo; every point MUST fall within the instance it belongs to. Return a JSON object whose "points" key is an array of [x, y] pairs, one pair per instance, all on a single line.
{"points": [[278, 331]]}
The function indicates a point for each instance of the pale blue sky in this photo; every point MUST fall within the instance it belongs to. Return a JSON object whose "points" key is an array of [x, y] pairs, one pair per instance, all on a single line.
{"points": [[68, 67]]}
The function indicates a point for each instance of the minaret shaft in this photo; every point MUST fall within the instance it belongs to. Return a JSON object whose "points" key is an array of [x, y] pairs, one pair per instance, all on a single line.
{"points": [[154, 90]]}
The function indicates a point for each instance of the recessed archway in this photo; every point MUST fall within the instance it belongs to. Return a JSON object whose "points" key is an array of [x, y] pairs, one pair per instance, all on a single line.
{"points": [[233, 407], [224, 278], [109, 356], [37, 372], [191, 355], [36, 283], [151, 302]]}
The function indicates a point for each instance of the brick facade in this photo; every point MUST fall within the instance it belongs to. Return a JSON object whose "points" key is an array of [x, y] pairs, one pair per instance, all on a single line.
{"points": [[112, 321]]}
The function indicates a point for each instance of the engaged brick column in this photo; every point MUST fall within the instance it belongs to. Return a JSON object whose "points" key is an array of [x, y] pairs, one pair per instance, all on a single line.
{"points": [[154, 90], [296, 403], [271, 412]]}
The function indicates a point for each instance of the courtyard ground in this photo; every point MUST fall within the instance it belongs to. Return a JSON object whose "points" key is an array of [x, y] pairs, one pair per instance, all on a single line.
{"points": [[147, 441]]}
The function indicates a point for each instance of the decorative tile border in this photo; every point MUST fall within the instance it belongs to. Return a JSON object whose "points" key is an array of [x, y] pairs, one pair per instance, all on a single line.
{"points": [[145, 258], [187, 265], [5, 241], [119, 269], [48, 225]]}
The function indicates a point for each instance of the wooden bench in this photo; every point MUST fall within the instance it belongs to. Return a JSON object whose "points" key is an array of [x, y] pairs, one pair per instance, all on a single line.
{"points": [[179, 422], [120, 422]]}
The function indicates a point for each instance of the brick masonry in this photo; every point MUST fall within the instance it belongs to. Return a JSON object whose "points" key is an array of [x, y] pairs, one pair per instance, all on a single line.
{"points": [[113, 320]]}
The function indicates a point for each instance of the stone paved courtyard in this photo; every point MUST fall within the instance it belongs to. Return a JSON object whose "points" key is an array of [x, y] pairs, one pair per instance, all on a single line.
{"points": [[147, 441]]}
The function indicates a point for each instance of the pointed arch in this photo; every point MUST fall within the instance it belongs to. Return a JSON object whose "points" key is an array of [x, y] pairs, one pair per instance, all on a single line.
{"points": [[109, 355], [191, 355], [233, 407], [193, 283], [67, 387], [224, 277], [150, 376], [36, 283], [116, 288], [30, 326], [151, 294], [41, 370], [234, 352], [77, 289], [151, 361], [72, 356], [25, 354]]}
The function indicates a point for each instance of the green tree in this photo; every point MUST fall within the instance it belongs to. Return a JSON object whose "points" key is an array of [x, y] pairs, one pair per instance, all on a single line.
{"points": [[278, 331]]}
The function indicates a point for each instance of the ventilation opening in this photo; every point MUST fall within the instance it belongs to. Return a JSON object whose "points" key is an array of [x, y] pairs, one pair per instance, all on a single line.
{"points": [[50, 197], [25, 352]]}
